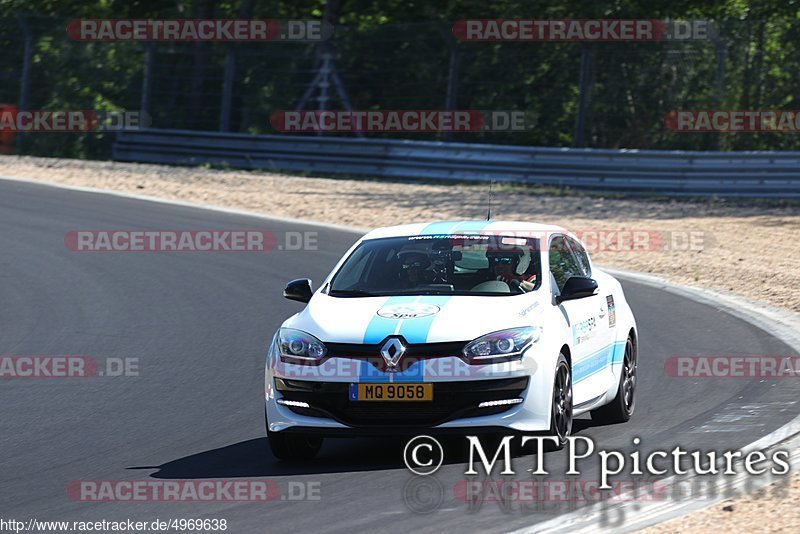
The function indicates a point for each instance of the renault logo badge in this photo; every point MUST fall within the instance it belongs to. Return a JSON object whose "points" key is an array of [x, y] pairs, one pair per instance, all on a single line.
{"points": [[392, 351]]}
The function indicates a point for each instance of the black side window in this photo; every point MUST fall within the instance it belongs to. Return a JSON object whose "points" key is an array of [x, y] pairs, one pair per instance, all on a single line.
{"points": [[563, 262]]}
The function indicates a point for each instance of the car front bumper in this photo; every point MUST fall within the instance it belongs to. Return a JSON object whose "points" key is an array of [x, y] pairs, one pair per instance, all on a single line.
{"points": [[320, 403]]}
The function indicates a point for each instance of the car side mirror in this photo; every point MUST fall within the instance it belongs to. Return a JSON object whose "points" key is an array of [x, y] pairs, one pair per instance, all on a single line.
{"points": [[299, 290], [577, 287]]}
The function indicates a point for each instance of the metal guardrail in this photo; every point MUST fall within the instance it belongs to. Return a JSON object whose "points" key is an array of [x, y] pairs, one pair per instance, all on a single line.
{"points": [[751, 174]]}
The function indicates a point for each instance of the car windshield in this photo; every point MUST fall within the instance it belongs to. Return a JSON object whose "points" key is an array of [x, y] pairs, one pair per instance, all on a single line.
{"points": [[434, 265]]}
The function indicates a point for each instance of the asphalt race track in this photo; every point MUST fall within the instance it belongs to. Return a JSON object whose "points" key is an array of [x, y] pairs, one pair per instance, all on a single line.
{"points": [[199, 324]]}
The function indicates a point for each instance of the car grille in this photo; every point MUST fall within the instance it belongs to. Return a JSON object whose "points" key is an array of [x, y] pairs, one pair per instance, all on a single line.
{"points": [[417, 350], [451, 400], [414, 352]]}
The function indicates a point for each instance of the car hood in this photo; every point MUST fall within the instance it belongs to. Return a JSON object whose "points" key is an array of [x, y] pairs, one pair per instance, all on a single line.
{"points": [[419, 319]]}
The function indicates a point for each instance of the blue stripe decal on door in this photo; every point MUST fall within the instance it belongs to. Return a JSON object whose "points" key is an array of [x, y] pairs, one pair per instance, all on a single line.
{"points": [[598, 361], [618, 356]]}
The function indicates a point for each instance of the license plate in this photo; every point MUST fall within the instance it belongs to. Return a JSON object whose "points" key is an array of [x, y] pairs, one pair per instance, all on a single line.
{"points": [[391, 392]]}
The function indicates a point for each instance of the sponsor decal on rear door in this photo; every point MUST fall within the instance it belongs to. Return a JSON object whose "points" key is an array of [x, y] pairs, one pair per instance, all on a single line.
{"points": [[612, 311]]}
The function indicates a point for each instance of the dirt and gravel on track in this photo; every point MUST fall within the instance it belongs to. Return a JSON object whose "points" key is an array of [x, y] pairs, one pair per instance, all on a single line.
{"points": [[758, 512]]}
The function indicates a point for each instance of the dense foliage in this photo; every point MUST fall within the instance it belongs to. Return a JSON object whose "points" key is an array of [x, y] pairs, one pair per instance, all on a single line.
{"points": [[395, 54]]}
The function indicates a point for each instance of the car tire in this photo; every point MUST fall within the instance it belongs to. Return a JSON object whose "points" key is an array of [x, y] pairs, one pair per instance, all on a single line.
{"points": [[290, 446], [561, 405], [621, 408]]}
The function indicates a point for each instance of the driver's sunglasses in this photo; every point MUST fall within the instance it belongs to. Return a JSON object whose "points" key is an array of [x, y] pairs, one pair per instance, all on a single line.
{"points": [[501, 260], [413, 265]]}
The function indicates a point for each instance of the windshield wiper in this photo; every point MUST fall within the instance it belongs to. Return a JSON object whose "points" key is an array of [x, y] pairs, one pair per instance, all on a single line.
{"points": [[350, 293]]}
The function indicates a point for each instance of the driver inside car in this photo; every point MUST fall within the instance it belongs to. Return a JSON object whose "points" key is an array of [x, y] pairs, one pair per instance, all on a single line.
{"points": [[511, 266], [414, 268]]}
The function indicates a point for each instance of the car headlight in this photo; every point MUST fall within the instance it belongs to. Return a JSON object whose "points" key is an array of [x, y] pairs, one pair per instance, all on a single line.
{"points": [[502, 346], [297, 346]]}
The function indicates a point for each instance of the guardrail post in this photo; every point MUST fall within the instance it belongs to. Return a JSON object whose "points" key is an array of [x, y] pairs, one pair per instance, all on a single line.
{"points": [[25, 78]]}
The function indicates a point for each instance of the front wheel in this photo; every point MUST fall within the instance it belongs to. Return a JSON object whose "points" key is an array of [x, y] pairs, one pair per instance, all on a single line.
{"points": [[621, 408], [561, 411], [292, 447]]}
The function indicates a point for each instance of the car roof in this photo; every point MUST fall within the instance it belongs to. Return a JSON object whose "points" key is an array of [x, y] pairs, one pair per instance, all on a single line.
{"points": [[515, 228]]}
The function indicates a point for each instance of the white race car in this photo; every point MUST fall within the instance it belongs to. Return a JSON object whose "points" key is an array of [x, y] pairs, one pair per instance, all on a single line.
{"points": [[470, 326]]}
